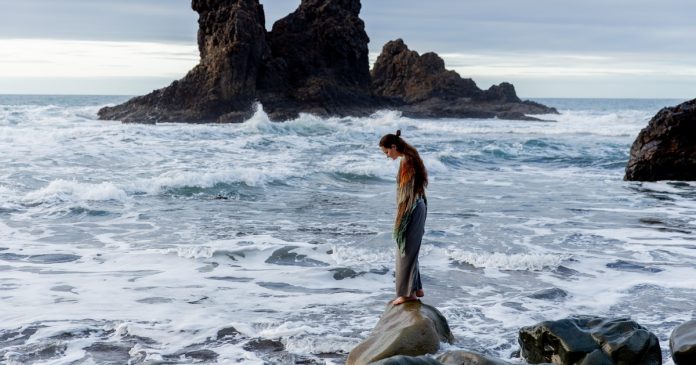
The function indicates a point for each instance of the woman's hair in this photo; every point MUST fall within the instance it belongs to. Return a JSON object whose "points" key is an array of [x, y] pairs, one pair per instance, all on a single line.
{"points": [[421, 174]]}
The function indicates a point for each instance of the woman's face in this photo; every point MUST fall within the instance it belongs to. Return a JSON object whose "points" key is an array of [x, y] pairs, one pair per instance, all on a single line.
{"points": [[391, 152]]}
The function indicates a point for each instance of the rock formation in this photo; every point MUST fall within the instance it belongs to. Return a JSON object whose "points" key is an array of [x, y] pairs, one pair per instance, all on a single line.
{"points": [[412, 329], [585, 340], [420, 86], [222, 87], [314, 60], [682, 343], [666, 148], [318, 62]]}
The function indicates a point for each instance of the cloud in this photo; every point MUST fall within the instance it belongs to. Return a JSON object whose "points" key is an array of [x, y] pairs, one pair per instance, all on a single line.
{"points": [[74, 58]]}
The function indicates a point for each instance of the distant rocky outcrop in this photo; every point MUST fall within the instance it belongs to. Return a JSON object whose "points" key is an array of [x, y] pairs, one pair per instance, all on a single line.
{"points": [[585, 340], [666, 148], [314, 60], [682, 343], [420, 86], [222, 87], [411, 329]]}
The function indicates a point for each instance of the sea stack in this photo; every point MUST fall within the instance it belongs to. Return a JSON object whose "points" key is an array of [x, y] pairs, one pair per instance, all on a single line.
{"points": [[315, 60], [421, 87], [666, 148]]}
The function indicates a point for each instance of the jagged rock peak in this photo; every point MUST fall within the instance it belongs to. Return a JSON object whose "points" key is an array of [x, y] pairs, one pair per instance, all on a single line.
{"points": [[402, 73]]}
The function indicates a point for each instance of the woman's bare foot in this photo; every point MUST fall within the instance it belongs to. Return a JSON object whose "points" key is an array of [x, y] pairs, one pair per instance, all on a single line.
{"points": [[420, 293], [401, 300]]}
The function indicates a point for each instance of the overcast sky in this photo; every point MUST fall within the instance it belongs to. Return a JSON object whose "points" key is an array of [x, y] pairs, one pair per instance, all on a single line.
{"points": [[546, 48]]}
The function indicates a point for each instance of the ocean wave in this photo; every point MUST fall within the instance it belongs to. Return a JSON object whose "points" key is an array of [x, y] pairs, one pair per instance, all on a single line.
{"points": [[502, 261], [71, 190], [616, 124], [250, 176]]}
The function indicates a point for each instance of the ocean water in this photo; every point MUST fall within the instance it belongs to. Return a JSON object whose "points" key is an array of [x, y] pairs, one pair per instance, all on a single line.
{"points": [[270, 243]]}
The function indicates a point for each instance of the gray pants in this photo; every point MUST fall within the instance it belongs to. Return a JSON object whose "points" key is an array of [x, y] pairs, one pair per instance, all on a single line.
{"points": [[408, 278]]}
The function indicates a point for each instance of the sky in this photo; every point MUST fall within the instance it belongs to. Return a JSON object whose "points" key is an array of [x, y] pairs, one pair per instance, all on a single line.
{"points": [[546, 48]]}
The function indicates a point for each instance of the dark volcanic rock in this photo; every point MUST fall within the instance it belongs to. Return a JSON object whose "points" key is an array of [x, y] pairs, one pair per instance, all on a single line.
{"points": [[682, 343], [666, 148], [420, 86], [314, 60], [590, 340], [549, 294], [408, 78], [222, 87], [318, 62]]}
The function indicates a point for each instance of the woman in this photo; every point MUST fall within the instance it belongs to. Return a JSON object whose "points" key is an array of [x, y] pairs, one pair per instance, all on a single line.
{"points": [[411, 210]]}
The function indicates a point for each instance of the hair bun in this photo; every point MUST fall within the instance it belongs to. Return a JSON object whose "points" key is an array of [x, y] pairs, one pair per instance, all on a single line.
{"points": [[398, 132]]}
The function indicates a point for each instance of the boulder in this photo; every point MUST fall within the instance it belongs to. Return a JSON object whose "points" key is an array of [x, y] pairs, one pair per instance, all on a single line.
{"points": [[468, 358], [682, 343], [590, 340], [420, 86], [412, 329], [666, 148]]}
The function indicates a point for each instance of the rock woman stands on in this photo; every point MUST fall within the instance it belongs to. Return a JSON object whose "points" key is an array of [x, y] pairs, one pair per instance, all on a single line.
{"points": [[411, 210]]}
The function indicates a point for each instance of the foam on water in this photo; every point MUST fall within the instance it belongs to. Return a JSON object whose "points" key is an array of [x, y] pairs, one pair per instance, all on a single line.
{"points": [[62, 190], [498, 260], [264, 243]]}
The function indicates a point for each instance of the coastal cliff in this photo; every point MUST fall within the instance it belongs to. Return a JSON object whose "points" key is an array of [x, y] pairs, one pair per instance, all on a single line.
{"points": [[315, 60]]}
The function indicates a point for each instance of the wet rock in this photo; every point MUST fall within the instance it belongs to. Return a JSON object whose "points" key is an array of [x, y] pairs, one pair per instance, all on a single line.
{"points": [[597, 357], [576, 340], [420, 86], [412, 329], [264, 345], [407, 360], [227, 332], [682, 343], [666, 148], [345, 273], [201, 355], [468, 358], [549, 294], [283, 256]]}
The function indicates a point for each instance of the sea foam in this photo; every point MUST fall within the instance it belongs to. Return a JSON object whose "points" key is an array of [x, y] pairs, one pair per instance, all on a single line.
{"points": [[71, 190], [503, 261]]}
